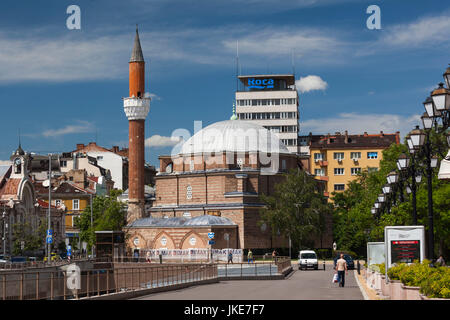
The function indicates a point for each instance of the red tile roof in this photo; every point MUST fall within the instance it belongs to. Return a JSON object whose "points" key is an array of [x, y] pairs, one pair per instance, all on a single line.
{"points": [[10, 188]]}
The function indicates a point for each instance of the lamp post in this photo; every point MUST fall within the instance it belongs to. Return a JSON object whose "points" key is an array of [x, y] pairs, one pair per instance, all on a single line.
{"points": [[422, 141], [49, 206], [4, 232], [408, 166]]}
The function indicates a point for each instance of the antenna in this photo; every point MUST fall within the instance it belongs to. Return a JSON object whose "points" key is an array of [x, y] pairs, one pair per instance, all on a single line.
{"points": [[237, 65], [293, 61], [19, 139]]}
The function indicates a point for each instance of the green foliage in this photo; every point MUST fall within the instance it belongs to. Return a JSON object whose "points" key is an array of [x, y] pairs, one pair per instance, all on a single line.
{"points": [[395, 271], [353, 223], [433, 282], [107, 214], [297, 208], [33, 239]]}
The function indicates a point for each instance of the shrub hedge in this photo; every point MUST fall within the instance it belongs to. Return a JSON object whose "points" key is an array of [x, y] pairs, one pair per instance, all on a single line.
{"points": [[434, 282]]}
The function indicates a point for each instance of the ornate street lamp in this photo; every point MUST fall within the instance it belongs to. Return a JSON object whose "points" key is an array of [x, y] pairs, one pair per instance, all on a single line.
{"points": [[417, 138], [373, 210], [446, 76], [386, 189], [392, 177], [418, 177], [434, 161], [441, 98], [381, 198], [403, 161], [377, 205], [429, 108], [408, 190], [427, 122]]}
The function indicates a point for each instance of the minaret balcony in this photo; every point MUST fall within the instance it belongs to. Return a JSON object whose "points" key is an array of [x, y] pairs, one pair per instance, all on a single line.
{"points": [[136, 108]]}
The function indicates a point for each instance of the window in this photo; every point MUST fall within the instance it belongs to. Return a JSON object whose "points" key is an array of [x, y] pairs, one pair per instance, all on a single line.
{"points": [[191, 165], [100, 158], [57, 203], [319, 172], [240, 163], [75, 204], [63, 163], [372, 155], [338, 171], [338, 156], [318, 156], [356, 171], [355, 155], [339, 187], [189, 192], [283, 164]]}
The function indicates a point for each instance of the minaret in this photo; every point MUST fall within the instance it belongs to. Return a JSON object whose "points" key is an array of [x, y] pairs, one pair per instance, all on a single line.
{"points": [[136, 108]]}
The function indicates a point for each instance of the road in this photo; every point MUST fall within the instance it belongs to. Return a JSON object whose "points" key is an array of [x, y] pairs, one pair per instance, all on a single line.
{"points": [[301, 285]]}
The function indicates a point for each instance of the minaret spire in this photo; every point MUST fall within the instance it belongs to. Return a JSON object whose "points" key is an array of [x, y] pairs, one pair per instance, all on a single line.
{"points": [[136, 54]]}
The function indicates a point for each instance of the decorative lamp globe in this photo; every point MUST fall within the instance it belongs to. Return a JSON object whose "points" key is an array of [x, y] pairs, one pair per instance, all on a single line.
{"points": [[427, 122], [403, 161], [417, 138], [440, 98]]}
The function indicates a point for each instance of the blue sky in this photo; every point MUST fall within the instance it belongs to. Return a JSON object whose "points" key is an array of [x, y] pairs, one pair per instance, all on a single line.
{"points": [[61, 87]]}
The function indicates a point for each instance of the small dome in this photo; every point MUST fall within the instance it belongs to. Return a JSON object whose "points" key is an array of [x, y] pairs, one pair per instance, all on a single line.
{"points": [[233, 136]]}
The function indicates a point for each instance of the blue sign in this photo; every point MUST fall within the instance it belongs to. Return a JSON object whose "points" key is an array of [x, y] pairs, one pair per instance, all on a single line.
{"points": [[49, 232], [49, 239], [211, 242], [211, 235], [260, 83], [69, 250]]}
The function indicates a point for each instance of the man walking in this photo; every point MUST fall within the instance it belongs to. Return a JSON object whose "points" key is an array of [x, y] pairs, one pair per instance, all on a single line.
{"points": [[341, 268], [249, 256], [230, 256]]}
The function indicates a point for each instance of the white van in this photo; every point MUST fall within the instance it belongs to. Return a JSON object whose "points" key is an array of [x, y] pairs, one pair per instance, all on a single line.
{"points": [[307, 259]]}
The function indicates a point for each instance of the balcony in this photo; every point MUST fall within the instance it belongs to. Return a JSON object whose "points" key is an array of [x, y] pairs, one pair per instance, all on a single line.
{"points": [[323, 163]]}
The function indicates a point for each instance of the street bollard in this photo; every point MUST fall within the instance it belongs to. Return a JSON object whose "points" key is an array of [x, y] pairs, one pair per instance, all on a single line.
{"points": [[323, 265], [359, 267]]}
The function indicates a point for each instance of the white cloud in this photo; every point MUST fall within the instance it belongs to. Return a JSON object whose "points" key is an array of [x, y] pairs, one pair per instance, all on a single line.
{"points": [[154, 96], [161, 141], [81, 127], [356, 123], [423, 32], [310, 83]]}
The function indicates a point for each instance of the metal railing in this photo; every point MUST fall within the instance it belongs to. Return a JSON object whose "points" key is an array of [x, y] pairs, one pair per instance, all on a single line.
{"points": [[57, 285], [270, 267]]}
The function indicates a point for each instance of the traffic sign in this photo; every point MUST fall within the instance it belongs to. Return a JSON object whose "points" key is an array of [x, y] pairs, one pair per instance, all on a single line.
{"points": [[211, 235], [49, 232], [49, 239], [211, 242]]}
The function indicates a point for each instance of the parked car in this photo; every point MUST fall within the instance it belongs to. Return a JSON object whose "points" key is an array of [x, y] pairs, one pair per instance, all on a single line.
{"points": [[349, 259], [4, 259], [307, 259], [18, 259]]}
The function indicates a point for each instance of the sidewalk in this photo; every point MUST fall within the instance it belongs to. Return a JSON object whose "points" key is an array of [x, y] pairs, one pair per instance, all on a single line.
{"points": [[370, 294]]}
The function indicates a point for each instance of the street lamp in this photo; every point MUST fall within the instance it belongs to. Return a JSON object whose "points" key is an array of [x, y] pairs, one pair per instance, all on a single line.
{"points": [[403, 161], [441, 98], [429, 108], [392, 177], [377, 205], [408, 190], [446, 76], [386, 189], [381, 198], [434, 161], [417, 138], [427, 122]]}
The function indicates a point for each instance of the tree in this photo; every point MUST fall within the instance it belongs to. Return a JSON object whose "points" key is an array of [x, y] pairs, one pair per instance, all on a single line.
{"points": [[32, 239], [107, 214], [297, 208]]}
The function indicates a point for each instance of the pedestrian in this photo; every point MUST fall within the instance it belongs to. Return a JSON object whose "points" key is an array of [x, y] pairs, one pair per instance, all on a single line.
{"points": [[341, 269], [230, 256], [440, 261], [249, 256], [148, 258], [274, 255]]}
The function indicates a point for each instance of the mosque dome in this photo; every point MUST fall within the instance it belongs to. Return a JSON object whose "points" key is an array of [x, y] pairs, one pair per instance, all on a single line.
{"points": [[233, 136]]}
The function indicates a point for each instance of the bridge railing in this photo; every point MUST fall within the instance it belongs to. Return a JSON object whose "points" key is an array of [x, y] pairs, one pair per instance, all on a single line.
{"points": [[64, 284]]}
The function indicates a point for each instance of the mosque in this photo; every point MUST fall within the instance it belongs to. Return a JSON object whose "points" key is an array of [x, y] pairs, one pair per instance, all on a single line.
{"points": [[213, 182]]}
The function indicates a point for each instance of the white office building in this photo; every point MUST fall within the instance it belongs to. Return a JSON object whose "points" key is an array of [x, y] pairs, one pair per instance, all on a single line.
{"points": [[272, 102]]}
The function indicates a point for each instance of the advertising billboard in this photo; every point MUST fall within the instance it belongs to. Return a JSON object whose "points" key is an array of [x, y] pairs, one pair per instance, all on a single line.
{"points": [[375, 253], [404, 244]]}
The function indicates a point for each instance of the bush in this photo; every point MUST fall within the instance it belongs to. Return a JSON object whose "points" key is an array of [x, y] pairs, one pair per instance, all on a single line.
{"points": [[378, 267], [395, 271], [433, 282], [350, 253]]}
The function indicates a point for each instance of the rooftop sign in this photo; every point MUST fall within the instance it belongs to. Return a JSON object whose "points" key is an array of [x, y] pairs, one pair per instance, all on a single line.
{"points": [[253, 83]]}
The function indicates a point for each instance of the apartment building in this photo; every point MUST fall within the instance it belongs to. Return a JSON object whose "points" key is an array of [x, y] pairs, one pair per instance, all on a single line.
{"points": [[338, 159]]}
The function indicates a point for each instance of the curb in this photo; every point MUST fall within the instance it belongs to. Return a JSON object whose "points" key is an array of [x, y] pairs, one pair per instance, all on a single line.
{"points": [[363, 291]]}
